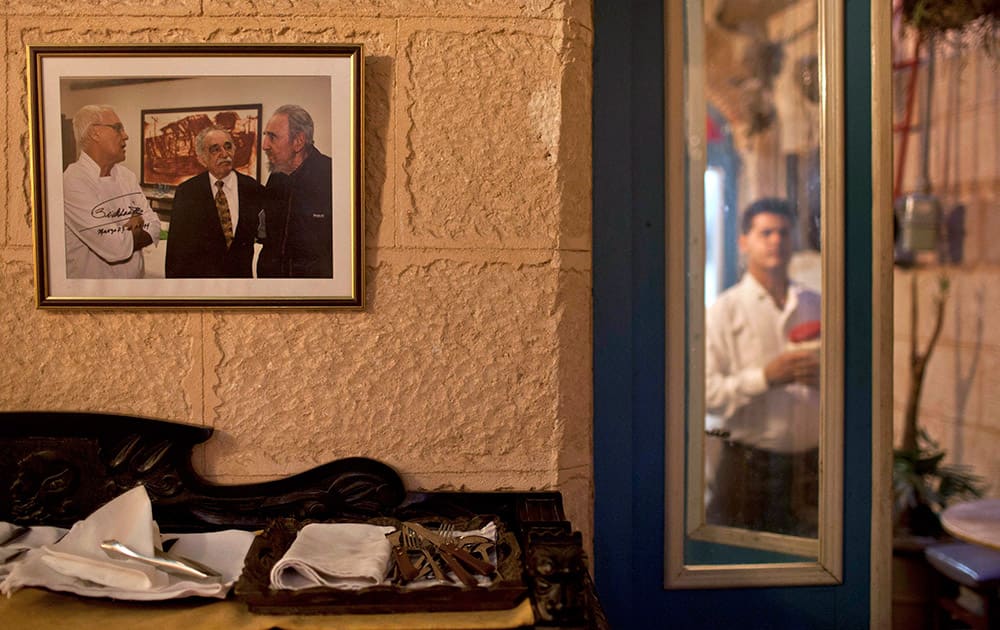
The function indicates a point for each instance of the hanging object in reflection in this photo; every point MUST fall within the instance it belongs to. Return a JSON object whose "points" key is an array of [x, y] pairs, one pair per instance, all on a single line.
{"points": [[918, 214], [761, 59]]}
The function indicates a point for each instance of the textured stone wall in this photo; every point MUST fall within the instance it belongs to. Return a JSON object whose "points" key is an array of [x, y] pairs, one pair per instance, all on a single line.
{"points": [[471, 366], [960, 406]]}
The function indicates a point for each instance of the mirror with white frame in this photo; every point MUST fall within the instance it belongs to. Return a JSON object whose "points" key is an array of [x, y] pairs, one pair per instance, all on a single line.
{"points": [[755, 374]]}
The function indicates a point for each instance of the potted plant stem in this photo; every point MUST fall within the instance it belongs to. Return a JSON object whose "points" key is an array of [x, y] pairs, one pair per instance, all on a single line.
{"points": [[923, 484]]}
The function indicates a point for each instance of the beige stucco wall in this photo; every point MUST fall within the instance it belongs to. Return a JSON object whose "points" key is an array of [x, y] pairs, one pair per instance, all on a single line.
{"points": [[960, 406], [471, 366]]}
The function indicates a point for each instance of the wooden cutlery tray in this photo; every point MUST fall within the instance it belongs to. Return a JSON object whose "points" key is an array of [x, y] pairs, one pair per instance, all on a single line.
{"points": [[253, 588]]}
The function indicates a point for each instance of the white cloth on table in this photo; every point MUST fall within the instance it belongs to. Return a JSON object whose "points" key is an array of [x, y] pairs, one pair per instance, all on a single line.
{"points": [[77, 564], [337, 555], [18, 543]]}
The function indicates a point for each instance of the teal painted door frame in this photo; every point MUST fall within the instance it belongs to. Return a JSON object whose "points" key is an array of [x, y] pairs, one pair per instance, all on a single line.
{"points": [[629, 325]]}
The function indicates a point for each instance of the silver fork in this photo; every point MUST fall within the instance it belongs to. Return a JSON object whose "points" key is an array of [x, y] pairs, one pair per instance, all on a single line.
{"points": [[454, 544], [412, 542], [447, 530], [401, 551], [445, 552]]}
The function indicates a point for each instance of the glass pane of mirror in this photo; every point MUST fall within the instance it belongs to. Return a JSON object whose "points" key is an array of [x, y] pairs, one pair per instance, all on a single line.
{"points": [[759, 217]]}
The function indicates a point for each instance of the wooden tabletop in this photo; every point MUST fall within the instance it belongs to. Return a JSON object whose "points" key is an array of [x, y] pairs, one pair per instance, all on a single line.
{"points": [[39, 609], [974, 521]]}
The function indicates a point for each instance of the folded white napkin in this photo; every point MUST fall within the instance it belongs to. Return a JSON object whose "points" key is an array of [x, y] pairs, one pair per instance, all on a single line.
{"points": [[77, 564], [337, 555]]}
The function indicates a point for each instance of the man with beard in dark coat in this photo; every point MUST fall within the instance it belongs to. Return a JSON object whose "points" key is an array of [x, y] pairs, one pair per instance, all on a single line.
{"points": [[298, 216]]}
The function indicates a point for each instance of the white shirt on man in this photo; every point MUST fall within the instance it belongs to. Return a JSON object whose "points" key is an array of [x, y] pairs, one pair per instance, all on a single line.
{"points": [[98, 245], [744, 330]]}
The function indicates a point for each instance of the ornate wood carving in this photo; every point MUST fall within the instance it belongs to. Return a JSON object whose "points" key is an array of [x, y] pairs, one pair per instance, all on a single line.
{"points": [[66, 465], [555, 566], [63, 465]]}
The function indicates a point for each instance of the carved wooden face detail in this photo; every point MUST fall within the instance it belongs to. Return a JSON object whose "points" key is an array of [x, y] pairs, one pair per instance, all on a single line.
{"points": [[44, 486], [557, 568]]}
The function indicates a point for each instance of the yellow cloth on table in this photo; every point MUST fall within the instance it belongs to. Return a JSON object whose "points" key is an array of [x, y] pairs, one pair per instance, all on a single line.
{"points": [[38, 609]]}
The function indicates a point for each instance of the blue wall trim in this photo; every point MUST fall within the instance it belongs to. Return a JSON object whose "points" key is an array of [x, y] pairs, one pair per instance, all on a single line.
{"points": [[612, 245]]}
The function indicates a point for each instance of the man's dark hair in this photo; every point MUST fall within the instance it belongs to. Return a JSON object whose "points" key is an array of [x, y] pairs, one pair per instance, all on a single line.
{"points": [[770, 205]]}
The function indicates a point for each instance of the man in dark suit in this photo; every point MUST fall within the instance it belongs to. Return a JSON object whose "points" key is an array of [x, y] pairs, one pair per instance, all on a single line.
{"points": [[215, 215]]}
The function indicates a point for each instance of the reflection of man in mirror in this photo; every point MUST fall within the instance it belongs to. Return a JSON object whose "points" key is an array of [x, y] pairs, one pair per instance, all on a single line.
{"points": [[213, 223], [761, 387], [298, 219], [108, 219]]}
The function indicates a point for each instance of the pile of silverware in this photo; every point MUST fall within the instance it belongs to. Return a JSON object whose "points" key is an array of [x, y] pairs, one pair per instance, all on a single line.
{"points": [[442, 555]]}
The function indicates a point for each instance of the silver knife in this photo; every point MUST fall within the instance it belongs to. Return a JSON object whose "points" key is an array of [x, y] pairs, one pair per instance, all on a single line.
{"points": [[171, 564]]}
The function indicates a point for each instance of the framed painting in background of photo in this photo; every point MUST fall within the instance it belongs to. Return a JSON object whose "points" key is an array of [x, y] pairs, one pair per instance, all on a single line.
{"points": [[168, 141], [127, 209]]}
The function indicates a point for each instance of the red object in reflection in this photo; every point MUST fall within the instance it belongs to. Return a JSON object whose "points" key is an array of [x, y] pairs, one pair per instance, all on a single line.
{"points": [[805, 331], [712, 131]]}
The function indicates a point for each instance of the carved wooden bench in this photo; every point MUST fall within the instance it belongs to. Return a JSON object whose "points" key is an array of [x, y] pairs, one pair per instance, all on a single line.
{"points": [[60, 466]]}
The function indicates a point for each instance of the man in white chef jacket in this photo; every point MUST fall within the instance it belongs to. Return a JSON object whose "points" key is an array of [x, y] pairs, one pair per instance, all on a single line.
{"points": [[107, 217]]}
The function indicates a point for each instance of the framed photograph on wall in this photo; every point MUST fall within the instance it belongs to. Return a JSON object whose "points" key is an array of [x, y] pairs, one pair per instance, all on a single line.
{"points": [[212, 176]]}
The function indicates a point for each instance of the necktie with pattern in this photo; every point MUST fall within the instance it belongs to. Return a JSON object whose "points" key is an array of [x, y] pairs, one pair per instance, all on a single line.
{"points": [[225, 219]]}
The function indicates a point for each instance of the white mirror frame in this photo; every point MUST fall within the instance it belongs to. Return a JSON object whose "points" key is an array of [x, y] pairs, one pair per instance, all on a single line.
{"points": [[685, 341]]}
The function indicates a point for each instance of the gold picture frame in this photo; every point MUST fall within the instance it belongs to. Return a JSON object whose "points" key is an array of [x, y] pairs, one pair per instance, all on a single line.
{"points": [[307, 244]]}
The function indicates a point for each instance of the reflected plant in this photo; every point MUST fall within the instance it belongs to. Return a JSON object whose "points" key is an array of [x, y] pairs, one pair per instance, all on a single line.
{"points": [[918, 360], [946, 15], [978, 20], [923, 486]]}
